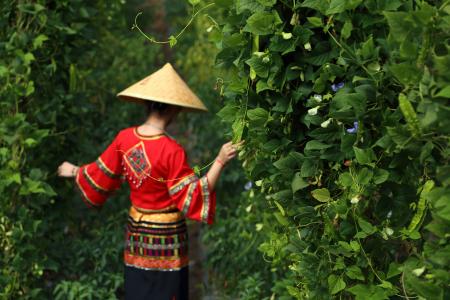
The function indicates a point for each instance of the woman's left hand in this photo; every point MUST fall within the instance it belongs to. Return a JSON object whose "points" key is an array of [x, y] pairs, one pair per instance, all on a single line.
{"points": [[228, 151], [66, 169]]}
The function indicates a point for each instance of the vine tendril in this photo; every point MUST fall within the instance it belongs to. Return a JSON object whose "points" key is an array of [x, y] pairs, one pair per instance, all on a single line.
{"points": [[172, 39]]}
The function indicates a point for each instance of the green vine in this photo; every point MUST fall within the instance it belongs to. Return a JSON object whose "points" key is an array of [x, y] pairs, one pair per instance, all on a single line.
{"points": [[173, 39]]}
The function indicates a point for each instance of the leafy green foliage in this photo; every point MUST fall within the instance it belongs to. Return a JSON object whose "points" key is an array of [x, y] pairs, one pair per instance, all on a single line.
{"points": [[343, 107], [234, 238], [59, 72]]}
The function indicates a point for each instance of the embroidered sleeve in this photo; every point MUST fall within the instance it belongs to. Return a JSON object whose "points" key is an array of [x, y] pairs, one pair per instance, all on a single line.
{"points": [[97, 180], [189, 193]]}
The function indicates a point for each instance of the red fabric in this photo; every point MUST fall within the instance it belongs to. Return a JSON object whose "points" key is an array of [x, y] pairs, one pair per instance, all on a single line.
{"points": [[157, 171]]}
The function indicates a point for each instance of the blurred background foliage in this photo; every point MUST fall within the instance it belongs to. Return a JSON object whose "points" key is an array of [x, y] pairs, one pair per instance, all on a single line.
{"points": [[61, 65]]}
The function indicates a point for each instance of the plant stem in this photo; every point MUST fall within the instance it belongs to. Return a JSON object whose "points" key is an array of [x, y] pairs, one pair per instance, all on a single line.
{"points": [[135, 25]]}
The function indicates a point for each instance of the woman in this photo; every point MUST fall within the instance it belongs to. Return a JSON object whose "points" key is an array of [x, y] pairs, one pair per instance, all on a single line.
{"points": [[164, 189]]}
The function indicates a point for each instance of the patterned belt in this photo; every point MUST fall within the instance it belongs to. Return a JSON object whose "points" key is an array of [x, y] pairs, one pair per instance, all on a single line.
{"points": [[169, 214], [156, 240]]}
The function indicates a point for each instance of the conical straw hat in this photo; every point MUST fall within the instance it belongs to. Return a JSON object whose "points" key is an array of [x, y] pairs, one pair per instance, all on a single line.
{"points": [[165, 86]]}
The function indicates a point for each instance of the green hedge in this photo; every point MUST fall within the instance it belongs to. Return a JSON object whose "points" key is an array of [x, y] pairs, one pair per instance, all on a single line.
{"points": [[344, 108]]}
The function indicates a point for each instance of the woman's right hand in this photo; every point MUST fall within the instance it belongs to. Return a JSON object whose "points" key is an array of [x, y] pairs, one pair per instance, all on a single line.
{"points": [[228, 151], [66, 169]]}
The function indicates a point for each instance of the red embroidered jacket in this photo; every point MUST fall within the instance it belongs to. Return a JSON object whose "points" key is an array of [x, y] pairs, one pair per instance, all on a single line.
{"points": [[157, 171]]}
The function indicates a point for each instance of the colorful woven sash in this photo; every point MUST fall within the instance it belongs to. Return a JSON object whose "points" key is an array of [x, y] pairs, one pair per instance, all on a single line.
{"points": [[156, 240]]}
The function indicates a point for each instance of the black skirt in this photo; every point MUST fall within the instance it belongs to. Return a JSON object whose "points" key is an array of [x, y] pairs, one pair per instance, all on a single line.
{"points": [[156, 256], [159, 285]]}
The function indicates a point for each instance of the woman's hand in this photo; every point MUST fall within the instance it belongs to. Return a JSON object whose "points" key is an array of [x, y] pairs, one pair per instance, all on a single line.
{"points": [[228, 152], [66, 169]]}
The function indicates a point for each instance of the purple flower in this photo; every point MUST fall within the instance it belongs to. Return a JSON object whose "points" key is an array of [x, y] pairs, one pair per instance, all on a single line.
{"points": [[336, 87], [354, 129], [248, 185]]}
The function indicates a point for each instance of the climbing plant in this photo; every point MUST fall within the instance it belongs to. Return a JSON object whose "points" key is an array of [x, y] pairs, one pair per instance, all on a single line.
{"points": [[344, 109]]}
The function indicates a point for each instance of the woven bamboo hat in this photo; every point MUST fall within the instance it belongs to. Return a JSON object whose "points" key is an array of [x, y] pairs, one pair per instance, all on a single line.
{"points": [[165, 86]]}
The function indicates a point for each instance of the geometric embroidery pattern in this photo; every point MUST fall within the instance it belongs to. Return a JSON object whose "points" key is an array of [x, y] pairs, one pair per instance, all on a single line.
{"points": [[151, 245], [205, 196], [188, 198], [93, 184], [138, 164], [84, 196], [182, 183], [102, 166]]}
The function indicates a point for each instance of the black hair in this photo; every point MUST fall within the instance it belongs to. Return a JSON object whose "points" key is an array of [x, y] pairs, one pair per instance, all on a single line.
{"points": [[158, 107]]}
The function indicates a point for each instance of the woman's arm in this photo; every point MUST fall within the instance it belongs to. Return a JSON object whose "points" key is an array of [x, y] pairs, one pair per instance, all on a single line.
{"points": [[194, 196], [227, 152], [98, 179]]}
